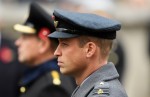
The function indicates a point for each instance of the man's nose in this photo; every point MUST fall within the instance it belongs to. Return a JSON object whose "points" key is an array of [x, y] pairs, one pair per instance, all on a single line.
{"points": [[17, 42], [57, 51]]}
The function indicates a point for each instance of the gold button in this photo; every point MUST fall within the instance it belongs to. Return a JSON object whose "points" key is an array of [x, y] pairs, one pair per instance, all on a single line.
{"points": [[100, 91], [22, 89], [101, 83]]}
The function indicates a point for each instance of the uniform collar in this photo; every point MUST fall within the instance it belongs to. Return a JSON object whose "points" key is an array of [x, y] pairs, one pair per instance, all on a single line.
{"points": [[33, 73], [106, 72]]}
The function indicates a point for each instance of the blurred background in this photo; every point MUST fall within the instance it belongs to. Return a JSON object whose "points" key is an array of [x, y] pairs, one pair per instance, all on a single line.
{"points": [[131, 51]]}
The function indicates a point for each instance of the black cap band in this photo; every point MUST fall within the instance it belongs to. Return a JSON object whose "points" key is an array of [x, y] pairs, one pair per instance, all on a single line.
{"points": [[106, 35]]}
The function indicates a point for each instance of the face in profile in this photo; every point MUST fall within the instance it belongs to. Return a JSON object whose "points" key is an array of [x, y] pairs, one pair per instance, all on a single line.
{"points": [[28, 49], [71, 57]]}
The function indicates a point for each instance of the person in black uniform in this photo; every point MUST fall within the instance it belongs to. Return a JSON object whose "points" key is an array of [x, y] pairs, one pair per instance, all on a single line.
{"points": [[10, 68], [42, 77]]}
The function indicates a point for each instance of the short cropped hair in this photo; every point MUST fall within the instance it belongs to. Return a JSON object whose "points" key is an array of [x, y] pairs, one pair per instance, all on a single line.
{"points": [[104, 44], [54, 44]]}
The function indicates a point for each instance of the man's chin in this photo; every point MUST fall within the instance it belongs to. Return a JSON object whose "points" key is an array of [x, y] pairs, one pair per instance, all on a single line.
{"points": [[23, 61], [65, 72]]}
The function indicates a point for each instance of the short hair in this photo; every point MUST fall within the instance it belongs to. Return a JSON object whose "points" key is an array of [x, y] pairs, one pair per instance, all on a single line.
{"points": [[54, 44], [104, 44]]}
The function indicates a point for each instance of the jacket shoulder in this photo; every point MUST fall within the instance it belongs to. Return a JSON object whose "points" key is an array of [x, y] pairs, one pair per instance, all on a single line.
{"points": [[48, 84], [58, 81], [53, 91], [111, 88]]}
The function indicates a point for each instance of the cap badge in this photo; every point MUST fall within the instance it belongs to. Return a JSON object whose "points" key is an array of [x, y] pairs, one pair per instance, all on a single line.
{"points": [[55, 23]]}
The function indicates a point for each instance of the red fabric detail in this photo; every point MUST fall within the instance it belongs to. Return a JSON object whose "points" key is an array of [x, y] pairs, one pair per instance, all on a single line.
{"points": [[43, 33], [6, 55], [53, 17]]}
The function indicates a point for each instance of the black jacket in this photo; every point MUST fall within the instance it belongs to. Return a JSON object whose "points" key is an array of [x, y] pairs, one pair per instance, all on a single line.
{"points": [[46, 81]]}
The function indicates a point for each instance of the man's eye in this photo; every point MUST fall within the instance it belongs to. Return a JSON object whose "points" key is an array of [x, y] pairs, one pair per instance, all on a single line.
{"points": [[25, 37], [64, 44]]}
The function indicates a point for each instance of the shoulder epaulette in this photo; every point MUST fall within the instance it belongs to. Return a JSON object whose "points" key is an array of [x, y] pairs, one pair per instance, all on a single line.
{"points": [[101, 88], [55, 77]]}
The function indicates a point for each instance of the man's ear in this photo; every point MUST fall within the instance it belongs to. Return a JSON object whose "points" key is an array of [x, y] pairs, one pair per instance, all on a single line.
{"points": [[44, 45], [90, 48]]}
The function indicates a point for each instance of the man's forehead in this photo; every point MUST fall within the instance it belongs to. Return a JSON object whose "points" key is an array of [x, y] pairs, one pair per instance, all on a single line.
{"points": [[30, 35]]}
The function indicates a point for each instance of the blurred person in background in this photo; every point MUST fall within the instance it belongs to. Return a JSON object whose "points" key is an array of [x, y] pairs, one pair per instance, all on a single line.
{"points": [[10, 69], [0, 39], [85, 41], [148, 29], [35, 49]]}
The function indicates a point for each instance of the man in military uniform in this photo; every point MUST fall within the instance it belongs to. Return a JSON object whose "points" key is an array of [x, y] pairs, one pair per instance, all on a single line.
{"points": [[42, 78], [85, 41]]}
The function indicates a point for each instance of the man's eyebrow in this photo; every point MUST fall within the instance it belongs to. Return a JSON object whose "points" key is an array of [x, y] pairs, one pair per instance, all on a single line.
{"points": [[63, 40]]}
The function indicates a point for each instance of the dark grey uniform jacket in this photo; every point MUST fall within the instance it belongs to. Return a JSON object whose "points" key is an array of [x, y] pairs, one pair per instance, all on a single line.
{"points": [[102, 83]]}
